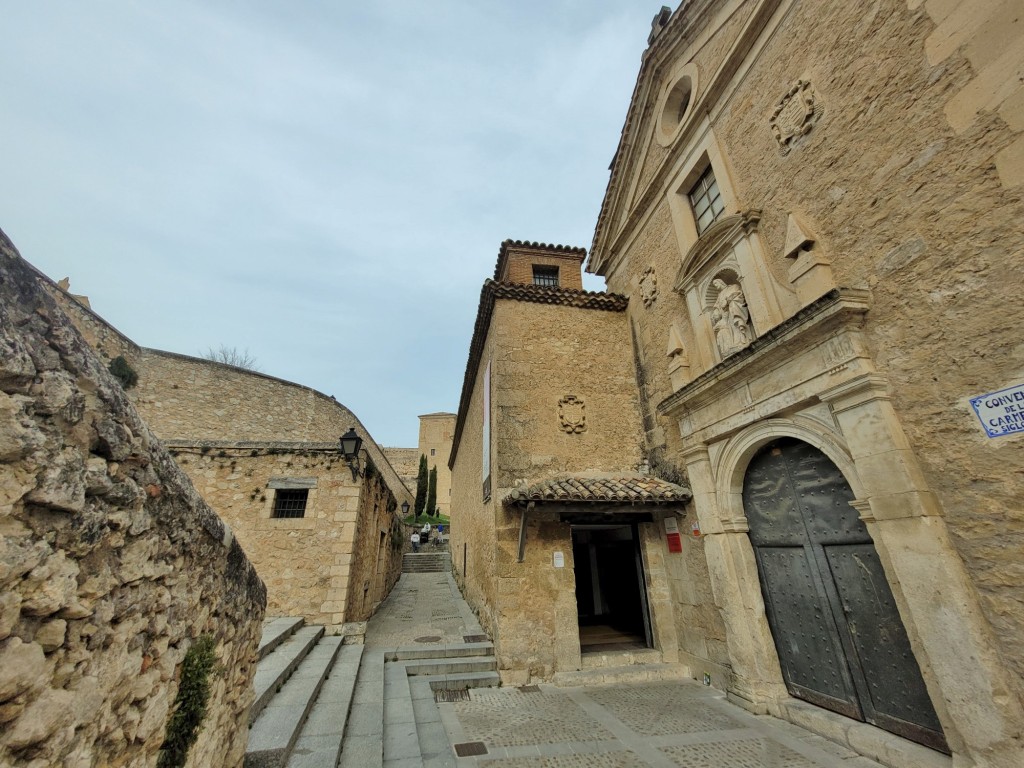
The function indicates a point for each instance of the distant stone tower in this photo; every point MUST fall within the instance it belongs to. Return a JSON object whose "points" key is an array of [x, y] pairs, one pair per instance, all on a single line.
{"points": [[436, 432]]}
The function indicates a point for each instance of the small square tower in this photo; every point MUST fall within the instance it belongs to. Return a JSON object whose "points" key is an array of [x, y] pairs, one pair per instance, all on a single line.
{"points": [[552, 266]]}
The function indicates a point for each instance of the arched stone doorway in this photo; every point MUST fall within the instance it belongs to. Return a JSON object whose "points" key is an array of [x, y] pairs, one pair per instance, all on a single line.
{"points": [[840, 640]]}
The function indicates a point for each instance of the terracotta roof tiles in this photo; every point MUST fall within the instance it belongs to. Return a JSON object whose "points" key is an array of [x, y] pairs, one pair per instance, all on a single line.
{"points": [[626, 489]]}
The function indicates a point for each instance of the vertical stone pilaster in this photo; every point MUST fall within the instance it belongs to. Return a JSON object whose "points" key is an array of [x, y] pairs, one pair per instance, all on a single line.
{"points": [[947, 630], [757, 676]]}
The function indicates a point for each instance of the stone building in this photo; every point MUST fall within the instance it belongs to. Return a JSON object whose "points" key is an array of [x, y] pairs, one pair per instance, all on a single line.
{"points": [[811, 235], [264, 453], [435, 442]]}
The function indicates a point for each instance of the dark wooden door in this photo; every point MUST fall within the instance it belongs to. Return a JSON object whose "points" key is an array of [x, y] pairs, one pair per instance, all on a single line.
{"points": [[839, 636]]}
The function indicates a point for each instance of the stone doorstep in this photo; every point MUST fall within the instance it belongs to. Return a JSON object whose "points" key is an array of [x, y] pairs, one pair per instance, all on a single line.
{"points": [[274, 733], [448, 650], [319, 742], [277, 667], [275, 632], [864, 739], [603, 659], [633, 673]]}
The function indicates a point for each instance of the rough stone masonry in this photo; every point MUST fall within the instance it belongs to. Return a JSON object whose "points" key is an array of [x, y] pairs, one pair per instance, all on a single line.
{"points": [[111, 565]]}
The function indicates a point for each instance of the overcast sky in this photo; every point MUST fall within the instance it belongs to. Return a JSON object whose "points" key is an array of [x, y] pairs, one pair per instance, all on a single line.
{"points": [[326, 184]]}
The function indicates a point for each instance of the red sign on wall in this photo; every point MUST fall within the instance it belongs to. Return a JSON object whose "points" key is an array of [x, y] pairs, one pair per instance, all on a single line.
{"points": [[675, 544]]}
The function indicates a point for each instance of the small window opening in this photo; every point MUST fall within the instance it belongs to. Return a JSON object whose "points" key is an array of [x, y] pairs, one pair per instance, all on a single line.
{"points": [[433, 451], [545, 275], [290, 503], [706, 201]]}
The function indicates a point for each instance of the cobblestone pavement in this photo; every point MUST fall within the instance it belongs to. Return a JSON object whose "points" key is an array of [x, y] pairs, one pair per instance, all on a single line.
{"points": [[622, 725], [662, 724]]}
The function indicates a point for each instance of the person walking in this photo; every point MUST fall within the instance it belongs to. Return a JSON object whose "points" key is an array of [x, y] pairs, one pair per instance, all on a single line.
{"points": [[415, 541]]}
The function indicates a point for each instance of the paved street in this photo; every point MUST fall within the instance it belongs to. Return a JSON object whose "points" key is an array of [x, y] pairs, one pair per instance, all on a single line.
{"points": [[660, 724]]}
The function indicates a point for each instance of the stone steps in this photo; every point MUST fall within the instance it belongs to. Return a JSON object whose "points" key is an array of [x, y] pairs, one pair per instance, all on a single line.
{"points": [[413, 733], [275, 632], [275, 731], [426, 562], [276, 667], [319, 743]]}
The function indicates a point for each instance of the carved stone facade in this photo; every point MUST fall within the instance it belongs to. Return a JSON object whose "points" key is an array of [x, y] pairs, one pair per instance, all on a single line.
{"points": [[836, 295]]}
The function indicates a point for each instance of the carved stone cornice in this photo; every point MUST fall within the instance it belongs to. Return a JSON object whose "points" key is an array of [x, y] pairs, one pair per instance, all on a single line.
{"points": [[724, 233], [839, 308]]}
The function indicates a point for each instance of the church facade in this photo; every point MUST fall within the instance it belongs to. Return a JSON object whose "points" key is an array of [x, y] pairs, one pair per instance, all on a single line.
{"points": [[810, 238]]}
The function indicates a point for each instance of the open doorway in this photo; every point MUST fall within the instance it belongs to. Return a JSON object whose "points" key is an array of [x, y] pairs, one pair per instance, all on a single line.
{"points": [[611, 597]]}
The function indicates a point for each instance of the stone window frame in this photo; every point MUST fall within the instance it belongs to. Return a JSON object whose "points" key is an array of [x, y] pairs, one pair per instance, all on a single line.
{"points": [[290, 503], [729, 248], [275, 484], [701, 193]]}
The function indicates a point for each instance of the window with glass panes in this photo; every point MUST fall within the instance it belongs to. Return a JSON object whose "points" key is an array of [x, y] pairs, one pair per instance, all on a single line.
{"points": [[544, 275], [706, 201], [290, 503]]}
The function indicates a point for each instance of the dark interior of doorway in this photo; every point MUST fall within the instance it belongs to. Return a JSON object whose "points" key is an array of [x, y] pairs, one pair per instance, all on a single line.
{"points": [[609, 597]]}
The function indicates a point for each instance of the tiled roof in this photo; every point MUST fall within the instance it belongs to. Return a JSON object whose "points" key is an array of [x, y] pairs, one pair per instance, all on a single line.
{"points": [[538, 294], [619, 489], [569, 297], [503, 251]]}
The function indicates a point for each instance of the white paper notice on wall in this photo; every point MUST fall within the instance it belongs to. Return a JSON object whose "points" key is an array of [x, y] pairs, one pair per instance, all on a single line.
{"points": [[558, 559], [671, 526], [1001, 413]]}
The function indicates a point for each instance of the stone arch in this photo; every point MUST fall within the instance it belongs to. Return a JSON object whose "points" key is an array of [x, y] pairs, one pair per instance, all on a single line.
{"points": [[731, 466]]}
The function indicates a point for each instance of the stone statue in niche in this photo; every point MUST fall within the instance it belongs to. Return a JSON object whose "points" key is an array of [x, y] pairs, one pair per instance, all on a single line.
{"points": [[730, 318]]}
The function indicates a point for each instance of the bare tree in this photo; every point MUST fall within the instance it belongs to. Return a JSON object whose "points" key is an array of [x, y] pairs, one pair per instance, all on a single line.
{"points": [[240, 358]]}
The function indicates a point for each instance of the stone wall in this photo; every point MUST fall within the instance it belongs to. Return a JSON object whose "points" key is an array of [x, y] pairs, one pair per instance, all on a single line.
{"points": [[472, 541], [106, 340], [308, 563], [191, 399], [376, 552], [111, 565], [406, 463]]}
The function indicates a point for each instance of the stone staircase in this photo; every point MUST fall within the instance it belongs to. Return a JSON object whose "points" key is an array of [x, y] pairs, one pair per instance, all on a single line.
{"points": [[304, 684], [320, 704], [394, 720], [426, 562]]}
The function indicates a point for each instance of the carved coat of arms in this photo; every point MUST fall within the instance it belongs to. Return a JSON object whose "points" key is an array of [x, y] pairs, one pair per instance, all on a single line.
{"points": [[649, 287], [794, 116], [572, 414]]}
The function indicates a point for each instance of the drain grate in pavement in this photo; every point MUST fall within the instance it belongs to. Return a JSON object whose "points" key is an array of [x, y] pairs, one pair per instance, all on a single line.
{"points": [[470, 748], [474, 638], [428, 639], [529, 688], [448, 697]]}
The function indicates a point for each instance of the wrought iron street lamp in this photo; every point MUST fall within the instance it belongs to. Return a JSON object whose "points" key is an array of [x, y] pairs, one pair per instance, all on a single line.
{"points": [[350, 445]]}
